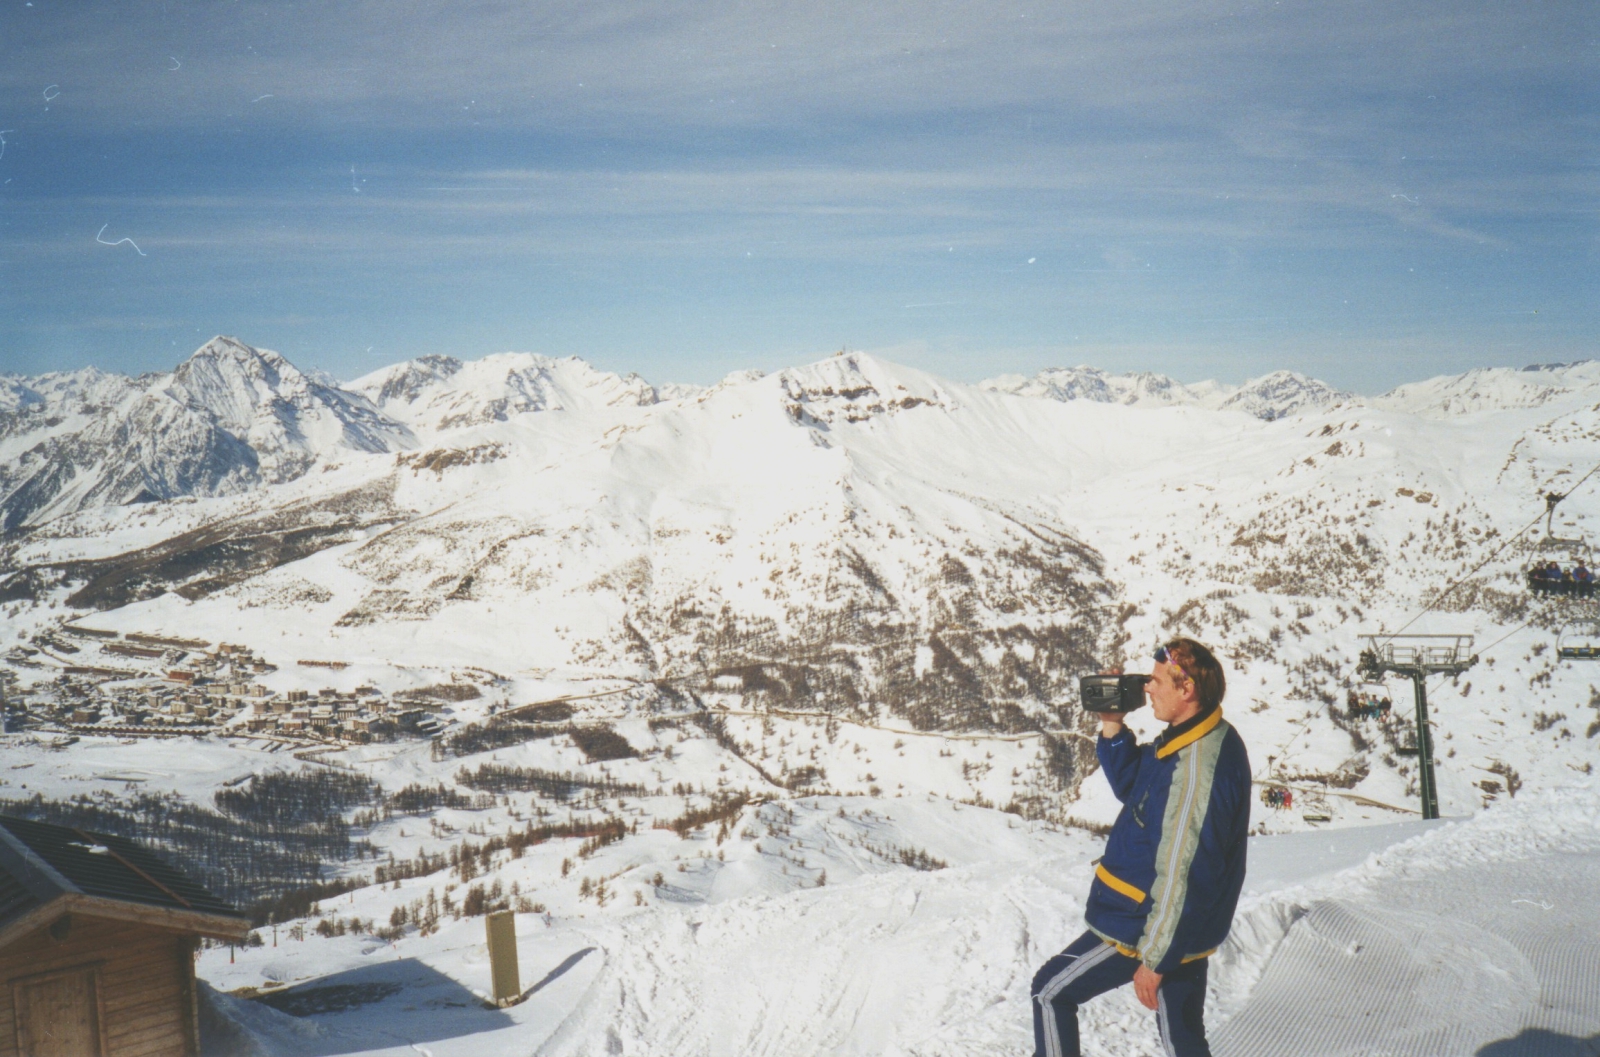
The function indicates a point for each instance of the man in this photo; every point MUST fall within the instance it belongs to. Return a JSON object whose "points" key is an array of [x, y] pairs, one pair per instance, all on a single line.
{"points": [[1164, 893]]}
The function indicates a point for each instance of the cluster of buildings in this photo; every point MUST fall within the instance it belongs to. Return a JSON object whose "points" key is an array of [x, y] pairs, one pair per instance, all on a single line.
{"points": [[191, 702], [193, 688], [361, 716]]}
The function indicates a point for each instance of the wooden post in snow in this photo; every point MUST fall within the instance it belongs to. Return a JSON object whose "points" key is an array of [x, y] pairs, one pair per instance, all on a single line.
{"points": [[501, 927]]}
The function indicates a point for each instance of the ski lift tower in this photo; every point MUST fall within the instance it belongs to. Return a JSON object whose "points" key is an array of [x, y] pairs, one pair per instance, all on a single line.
{"points": [[1417, 657]]}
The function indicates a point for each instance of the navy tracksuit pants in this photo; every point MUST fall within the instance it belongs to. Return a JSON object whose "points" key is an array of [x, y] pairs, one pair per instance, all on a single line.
{"points": [[1090, 967]]}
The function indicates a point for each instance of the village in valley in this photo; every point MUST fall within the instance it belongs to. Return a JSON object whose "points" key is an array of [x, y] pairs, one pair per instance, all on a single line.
{"points": [[142, 684]]}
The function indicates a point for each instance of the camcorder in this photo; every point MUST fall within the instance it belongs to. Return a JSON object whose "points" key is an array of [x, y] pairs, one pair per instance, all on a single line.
{"points": [[1111, 693]]}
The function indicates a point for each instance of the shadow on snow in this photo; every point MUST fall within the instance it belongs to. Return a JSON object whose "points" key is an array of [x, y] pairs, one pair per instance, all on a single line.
{"points": [[1536, 1042], [379, 1006]]}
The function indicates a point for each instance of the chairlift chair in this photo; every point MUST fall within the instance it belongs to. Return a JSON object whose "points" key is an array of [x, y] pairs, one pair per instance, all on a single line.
{"points": [[1369, 699], [1573, 574], [1561, 565], [1579, 641], [1277, 797], [1314, 807]]}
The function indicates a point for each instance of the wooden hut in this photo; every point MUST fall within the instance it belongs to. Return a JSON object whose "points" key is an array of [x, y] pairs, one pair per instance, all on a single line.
{"points": [[97, 945]]}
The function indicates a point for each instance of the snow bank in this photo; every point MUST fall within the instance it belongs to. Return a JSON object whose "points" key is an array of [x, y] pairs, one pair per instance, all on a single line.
{"points": [[1435, 939]]}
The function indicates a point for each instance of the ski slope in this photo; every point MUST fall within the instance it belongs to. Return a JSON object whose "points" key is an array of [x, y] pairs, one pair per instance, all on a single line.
{"points": [[1465, 936]]}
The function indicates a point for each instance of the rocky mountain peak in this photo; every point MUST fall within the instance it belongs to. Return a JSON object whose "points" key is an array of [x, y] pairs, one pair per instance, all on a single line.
{"points": [[1270, 397], [441, 392], [406, 382], [16, 394], [1091, 383], [856, 386], [228, 418], [1282, 393], [232, 380]]}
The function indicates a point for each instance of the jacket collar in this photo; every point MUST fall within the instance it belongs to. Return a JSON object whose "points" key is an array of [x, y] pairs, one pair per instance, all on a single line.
{"points": [[1188, 732]]}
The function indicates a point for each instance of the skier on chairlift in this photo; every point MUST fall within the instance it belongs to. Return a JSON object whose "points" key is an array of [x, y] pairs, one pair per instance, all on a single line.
{"points": [[1550, 576], [1539, 578]]}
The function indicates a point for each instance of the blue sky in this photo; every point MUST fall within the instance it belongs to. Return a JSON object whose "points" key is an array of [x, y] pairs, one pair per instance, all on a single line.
{"points": [[1368, 192]]}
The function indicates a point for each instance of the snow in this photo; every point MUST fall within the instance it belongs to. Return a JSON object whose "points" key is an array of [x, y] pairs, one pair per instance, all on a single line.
{"points": [[1496, 389], [1283, 393], [441, 393], [1473, 937], [1417, 938], [549, 531], [1406, 938], [856, 485], [1272, 396]]}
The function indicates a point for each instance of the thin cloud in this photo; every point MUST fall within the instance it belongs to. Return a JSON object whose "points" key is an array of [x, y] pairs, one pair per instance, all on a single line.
{"points": [[740, 175], [720, 64]]}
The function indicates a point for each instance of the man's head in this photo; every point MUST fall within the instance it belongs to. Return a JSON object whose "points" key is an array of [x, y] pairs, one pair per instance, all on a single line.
{"points": [[1186, 681]]}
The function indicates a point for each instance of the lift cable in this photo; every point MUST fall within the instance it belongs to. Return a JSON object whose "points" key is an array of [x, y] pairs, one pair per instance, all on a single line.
{"points": [[1442, 595], [1506, 636]]}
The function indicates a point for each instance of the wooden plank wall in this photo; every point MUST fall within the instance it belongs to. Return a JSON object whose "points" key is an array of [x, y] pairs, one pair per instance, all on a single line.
{"points": [[145, 979]]}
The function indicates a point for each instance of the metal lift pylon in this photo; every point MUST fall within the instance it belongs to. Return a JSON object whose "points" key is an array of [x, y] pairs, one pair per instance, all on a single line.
{"points": [[1417, 657]]}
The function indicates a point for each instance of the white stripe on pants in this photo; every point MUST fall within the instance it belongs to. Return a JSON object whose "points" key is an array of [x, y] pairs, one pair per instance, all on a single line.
{"points": [[1052, 1031]]}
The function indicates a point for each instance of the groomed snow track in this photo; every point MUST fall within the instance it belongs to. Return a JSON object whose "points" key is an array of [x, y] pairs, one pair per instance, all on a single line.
{"points": [[1498, 959]]}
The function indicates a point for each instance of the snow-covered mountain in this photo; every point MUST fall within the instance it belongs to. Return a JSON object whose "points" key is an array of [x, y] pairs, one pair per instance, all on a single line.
{"points": [[850, 536], [288, 418], [1281, 393], [827, 536], [230, 418], [1495, 389], [1269, 397], [62, 391], [440, 392], [1139, 389], [1277, 395]]}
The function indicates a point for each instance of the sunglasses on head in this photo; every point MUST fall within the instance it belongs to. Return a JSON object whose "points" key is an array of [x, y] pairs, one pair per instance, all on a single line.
{"points": [[1164, 656]]}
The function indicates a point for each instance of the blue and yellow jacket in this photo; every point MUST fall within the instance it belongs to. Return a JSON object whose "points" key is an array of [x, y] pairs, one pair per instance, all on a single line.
{"points": [[1167, 886]]}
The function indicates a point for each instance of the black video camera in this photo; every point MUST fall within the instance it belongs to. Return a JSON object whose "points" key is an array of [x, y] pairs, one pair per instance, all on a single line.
{"points": [[1111, 693]]}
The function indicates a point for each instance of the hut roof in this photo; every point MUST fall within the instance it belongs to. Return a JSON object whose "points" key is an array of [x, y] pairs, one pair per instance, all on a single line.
{"points": [[46, 869]]}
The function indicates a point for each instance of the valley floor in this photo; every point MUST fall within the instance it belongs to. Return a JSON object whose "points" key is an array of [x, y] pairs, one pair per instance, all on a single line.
{"points": [[1471, 936]]}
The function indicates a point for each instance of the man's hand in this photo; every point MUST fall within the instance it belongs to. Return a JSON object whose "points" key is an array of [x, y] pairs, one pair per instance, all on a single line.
{"points": [[1145, 983], [1110, 724]]}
